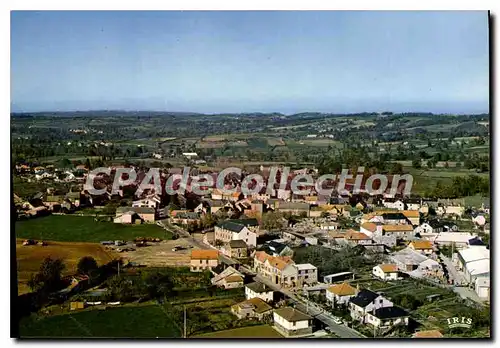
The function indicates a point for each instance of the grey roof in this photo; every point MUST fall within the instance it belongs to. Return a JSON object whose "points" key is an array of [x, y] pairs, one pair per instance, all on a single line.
{"points": [[139, 210], [236, 225], [393, 216], [292, 314], [258, 287], [390, 312], [231, 226], [364, 298], [273, 247], [238, 243], [294, 206]]}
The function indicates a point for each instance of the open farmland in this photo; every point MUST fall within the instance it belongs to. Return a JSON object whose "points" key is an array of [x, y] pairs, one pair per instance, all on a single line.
{"points": [[30, 257], [259, 331], [137, 322], [72, 228]]}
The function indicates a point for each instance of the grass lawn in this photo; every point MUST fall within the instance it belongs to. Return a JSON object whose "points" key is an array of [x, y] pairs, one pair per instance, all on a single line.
{"points": [[259, 331], [67, 228], [140, 322]]}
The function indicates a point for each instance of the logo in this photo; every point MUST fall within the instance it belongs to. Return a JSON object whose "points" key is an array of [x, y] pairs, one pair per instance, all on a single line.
{"points": [[459, 322]]}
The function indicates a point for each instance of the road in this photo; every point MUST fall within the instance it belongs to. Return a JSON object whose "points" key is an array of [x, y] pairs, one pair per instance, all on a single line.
{"points": [[302, 305], [314, 311], [455, 276]]}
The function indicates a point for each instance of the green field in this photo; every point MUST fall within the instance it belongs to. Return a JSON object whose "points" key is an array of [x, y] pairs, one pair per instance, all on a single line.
{"points": [[140, 322], [260, 331], [67, 228]]}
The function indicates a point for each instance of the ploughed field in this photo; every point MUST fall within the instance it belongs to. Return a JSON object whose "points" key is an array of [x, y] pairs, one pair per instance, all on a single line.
{"points": [[29, 258]]}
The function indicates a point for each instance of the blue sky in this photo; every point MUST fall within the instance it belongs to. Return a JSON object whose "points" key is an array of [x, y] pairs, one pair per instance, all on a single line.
{"points": [[250, 61]]}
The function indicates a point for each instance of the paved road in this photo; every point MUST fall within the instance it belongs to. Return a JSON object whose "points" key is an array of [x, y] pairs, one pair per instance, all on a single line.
{"points": [[314, 311], [302, 305], [455, 276]]}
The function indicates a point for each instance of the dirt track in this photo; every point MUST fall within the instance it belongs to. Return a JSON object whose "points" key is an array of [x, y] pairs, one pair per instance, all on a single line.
{"points": [[160, 254]]}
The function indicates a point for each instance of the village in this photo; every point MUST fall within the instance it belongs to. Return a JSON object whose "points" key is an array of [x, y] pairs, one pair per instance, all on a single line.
{"points": [[276, 247]]}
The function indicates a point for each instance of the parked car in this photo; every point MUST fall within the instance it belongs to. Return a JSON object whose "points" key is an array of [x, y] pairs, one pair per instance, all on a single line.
{"points": [[337, 320]]}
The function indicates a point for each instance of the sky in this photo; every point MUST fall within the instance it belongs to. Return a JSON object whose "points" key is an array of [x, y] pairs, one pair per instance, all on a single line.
{"points": [[250, 61]]}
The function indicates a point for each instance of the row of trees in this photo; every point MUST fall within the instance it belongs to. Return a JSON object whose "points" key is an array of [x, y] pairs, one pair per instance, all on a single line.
{"points": [[461, 186]]}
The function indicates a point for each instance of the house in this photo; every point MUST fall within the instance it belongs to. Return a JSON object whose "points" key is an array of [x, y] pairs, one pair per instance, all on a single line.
{"points": [[413, 204], [370, 228], [407, 259], [413, 216], [252, 308], [400, 231], [306, 274], [391, 218], [428, 334], [482, 287], [422, 246], [295, 208], [260, 290], [393, 203], [229, 278], [340, 293], [148, 202], [433, 226], [237, 249], [236, 230], [291, 322], [185, 217], [279, 269], [128, 215], [217, 194], [357, 238], [386, 272], [387, 317], [275, 248], [364, 302], [202, 260]]}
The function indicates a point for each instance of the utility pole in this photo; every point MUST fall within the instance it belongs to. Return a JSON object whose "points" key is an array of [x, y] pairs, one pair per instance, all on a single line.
{"points": [[185, 336]]}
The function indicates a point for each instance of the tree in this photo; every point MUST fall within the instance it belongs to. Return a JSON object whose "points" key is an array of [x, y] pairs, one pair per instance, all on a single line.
{"points": [[416, 163], [396, 168], [48, 278], [272, 221], [86, 265]]}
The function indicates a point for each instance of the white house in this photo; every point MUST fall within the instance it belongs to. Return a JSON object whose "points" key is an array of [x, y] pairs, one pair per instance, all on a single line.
{"points": [[366, 301], [392, 203], [260, 290], [291, 322], [386, 272], [148, 202], [422, 246], [387, 317], [482, 287], [340, 293], [235, 230]]}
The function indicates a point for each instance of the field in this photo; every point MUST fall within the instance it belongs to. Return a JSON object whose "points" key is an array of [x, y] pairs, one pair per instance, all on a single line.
{"points": [[29, 258], [260, 331], [134, 322], [68, 228]]}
